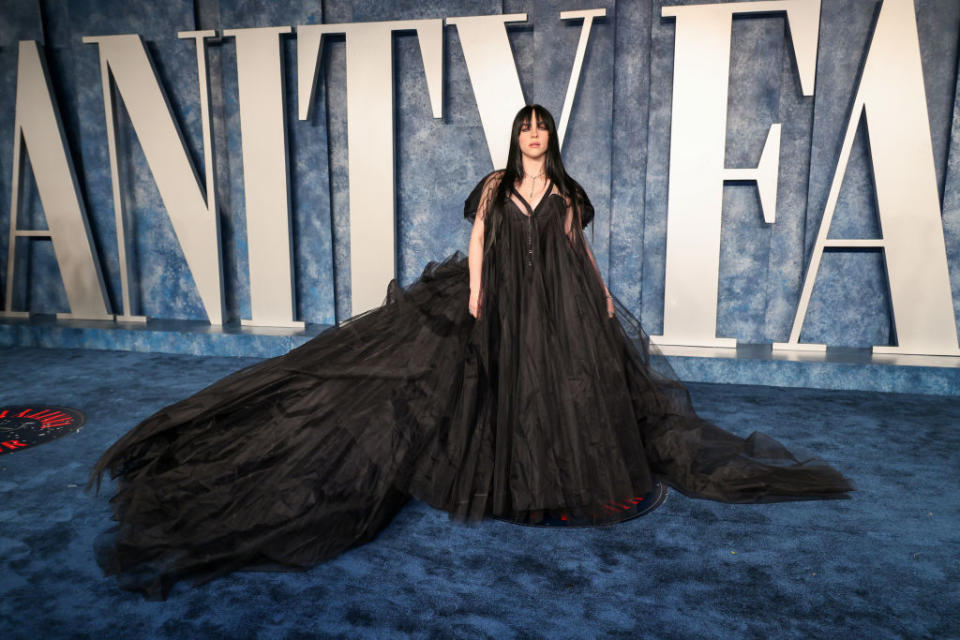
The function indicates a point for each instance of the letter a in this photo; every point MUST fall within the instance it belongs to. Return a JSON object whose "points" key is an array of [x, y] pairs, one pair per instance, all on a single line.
{"points": [[38, 131], [891, 97]]}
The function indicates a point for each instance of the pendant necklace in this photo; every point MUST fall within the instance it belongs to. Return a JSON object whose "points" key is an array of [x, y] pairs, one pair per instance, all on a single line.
{"points": [[533, 183]]}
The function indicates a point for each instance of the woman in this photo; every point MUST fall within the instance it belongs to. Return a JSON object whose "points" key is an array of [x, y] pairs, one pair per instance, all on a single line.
{"points": [[507, 384]]}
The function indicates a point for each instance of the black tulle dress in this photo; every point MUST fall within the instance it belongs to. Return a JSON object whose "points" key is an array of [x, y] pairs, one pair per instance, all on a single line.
{"points": [[544, 405]]}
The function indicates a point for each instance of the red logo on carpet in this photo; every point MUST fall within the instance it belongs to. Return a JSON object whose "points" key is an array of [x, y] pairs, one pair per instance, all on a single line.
{"points": [[27, 426]]}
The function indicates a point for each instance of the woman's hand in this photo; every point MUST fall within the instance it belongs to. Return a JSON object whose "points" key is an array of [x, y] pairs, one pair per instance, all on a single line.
{"points": [[474, 305], [610, 310]]}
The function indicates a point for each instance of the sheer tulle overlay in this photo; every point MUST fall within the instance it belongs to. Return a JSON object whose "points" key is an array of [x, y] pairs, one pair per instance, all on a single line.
{"points": [[543, 405]]}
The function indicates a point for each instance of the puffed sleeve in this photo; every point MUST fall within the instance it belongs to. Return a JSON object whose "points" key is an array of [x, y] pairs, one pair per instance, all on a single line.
{"points": [[586, 209], [473, 201]]}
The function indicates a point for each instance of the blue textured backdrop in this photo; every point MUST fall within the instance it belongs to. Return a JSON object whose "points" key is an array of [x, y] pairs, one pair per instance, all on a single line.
{"points": [[617, 146]]}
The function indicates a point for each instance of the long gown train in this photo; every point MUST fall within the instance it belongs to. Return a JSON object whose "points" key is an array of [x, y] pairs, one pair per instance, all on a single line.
{"points": [[542, 405]]}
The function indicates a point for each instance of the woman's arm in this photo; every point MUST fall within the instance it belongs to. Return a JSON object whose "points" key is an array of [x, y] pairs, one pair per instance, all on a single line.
{"points": [[475, 253], [475, 260], [572, 229], [606, 291]]}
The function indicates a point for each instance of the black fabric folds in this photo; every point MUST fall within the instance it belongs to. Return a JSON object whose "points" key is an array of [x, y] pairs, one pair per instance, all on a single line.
{"points": [[543, 404]]}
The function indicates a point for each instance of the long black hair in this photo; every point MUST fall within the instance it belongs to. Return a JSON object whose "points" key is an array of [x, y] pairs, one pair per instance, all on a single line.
{"points": [[553, 164]]}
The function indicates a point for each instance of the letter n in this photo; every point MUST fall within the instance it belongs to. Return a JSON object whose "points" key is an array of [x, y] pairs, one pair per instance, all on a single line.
{"points": [[194, 217]]}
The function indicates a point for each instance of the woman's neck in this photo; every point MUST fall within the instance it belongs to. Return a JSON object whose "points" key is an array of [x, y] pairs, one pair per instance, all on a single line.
{"points": [[533, 167]]}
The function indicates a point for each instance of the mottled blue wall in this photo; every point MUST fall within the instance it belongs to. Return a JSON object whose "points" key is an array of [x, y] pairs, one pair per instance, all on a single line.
{"points": [[617, 146]]}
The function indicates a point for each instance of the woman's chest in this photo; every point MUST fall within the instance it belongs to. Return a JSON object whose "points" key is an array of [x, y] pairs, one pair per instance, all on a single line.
{"points": [[545, 212]]}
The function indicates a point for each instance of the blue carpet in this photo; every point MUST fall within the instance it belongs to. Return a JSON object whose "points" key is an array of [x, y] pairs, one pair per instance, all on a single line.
{"points": [[885, 564]]}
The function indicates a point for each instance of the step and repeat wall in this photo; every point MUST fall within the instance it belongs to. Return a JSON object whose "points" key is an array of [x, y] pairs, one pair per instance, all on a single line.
{"points": [[777, 171]]}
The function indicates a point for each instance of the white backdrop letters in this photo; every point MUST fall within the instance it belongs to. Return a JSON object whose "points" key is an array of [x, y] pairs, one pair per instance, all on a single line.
{"points": [[890, 100]]}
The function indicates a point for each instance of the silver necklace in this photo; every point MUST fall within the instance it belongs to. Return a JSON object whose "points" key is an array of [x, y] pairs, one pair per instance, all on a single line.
{"points": [[533, 184]]}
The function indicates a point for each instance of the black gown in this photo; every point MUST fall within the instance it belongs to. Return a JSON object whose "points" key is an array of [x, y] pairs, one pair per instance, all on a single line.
{"points": [[543, 405]]}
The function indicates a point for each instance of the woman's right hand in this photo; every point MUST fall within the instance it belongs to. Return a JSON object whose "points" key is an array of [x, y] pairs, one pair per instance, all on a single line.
{"points": [[474, 305]]}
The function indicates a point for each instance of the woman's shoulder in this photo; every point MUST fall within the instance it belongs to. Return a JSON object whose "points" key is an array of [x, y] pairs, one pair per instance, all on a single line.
{"points": [[575, 196], [494, 177], [489, 181], [485, 187]]}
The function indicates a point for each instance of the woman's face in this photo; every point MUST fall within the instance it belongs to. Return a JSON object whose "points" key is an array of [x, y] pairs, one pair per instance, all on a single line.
{"points": [[533, 137]]}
